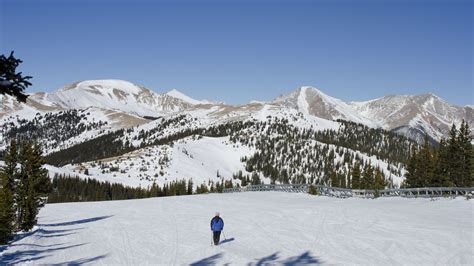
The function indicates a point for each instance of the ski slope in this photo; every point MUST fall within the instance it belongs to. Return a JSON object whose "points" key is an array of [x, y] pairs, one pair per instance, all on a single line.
{"points": [[261, 228]]}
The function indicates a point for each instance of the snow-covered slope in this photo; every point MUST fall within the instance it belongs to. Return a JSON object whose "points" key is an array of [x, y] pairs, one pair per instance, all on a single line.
{"points": [[261, 228], [179, 95], [117, 94], [103, 106], [411, 115], [311, 101], [200, 159], [414, 115], [106, 94], [60, 129]]}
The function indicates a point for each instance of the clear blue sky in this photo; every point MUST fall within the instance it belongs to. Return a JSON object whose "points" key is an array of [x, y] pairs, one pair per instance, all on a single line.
{"points": [[237, 51]]}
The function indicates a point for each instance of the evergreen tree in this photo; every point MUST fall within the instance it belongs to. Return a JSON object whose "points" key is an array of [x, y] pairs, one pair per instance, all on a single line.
{"points": [[379, 179], [312, 190], [411, 176], [451, 164], [39, 186], [426, 165], [190, 187], [255, 179], [31, 183], [7, 211], [368, 177], [454, 158], [21, 195], [12, 83], [466, 171], [356, 176]]}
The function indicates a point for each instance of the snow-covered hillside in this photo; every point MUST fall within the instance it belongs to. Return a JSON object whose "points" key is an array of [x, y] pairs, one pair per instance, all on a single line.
{"points": [[122, 132], [200, 159], [261, 228], [411, 115], [415, 115], [106, 94], [312, 101], [57, 130]]}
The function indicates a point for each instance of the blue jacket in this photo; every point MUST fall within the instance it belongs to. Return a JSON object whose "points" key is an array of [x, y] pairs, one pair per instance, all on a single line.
{"points": [[217, 224]]}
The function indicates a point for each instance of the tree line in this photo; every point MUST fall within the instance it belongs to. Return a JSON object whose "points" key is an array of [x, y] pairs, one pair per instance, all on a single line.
{"points": [[66, 188], [451, 163], [288, 154], [51, 130], [24, 186]]}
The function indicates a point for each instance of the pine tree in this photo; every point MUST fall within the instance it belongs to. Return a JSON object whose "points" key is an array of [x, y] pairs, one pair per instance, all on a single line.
{"points": [[312, 190], [466, 170], [6, 213], [7, 196], [255, 179], [440, 176], [454, 159], [411, 176], [379, 179], [190, 187], [7, 188], [21, 195], [356, 176], [12, 83], [368, 177], [39, 186], [425, 164]]}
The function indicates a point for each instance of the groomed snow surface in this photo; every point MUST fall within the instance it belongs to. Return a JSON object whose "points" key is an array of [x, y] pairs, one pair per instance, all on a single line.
{"points": [[261, 228]]}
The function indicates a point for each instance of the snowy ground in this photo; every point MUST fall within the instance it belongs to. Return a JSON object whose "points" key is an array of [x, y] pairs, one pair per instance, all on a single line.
{"points": [[261, 227], [197, 159]]}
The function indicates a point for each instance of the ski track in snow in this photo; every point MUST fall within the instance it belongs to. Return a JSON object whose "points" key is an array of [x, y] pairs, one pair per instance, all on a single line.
{"points": [[260, 227]]}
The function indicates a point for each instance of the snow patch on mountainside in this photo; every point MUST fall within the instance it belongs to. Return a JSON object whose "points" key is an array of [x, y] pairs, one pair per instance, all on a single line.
{"points": [[207, 159], [200, 159], [178, 95], [426, 113], [302, 103], [312, 102]]}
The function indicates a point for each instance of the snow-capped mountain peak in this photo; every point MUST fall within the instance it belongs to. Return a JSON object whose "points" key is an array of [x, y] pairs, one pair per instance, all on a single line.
{"points": [[111, 94], [414, 115], [312, 101], [179, 95], [410, 115], [104, 86]]}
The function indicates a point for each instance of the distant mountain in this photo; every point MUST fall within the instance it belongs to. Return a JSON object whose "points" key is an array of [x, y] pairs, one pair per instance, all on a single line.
{"points": [[415, 115], [179, 95], [311, 101], [107, 94], [409, 115], [122, 132]]}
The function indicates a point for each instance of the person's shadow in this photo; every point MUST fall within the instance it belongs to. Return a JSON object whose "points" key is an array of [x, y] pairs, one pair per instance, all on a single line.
{"points": [[227, 240]]}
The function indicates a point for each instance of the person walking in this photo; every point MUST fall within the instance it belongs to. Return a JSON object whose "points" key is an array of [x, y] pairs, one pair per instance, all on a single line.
{"points": [[217, 225]]}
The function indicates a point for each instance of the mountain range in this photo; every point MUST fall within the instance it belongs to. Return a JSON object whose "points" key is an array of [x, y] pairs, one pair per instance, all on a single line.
{"points": [[130, 134], [410, 115]]}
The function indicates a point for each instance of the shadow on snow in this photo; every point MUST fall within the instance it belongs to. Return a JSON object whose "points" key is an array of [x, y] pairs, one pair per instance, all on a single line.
{"points": [[304, 259], [82, 221], [226, 240], [36, 252], [31, 255], [81, 261], [212, 260], [41, 233]]}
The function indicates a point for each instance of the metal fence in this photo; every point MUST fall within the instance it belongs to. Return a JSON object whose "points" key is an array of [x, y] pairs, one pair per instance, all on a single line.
{"points": [[427, 192]]}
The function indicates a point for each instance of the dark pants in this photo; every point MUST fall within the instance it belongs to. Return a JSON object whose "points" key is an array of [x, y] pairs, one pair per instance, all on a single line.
{"points": [[216, 235]]}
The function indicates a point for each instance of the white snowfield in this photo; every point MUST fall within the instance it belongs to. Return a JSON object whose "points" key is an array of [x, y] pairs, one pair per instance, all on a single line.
{"points": [[261, 228]]}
